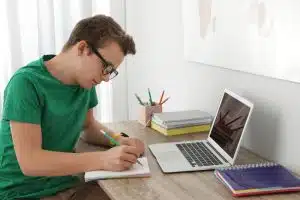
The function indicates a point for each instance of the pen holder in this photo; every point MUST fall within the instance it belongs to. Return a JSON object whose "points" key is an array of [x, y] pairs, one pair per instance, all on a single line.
{"points": [[146, 112]]}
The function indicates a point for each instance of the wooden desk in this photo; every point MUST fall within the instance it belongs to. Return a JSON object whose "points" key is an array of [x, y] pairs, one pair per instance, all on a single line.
{"points": [[176, 186]]}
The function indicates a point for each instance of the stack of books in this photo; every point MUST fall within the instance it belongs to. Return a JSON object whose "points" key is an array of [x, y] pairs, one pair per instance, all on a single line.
{"points": [[181, 122]]}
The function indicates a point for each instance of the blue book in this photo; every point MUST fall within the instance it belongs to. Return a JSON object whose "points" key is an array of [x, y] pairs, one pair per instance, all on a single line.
{"points": [[255, 179]]}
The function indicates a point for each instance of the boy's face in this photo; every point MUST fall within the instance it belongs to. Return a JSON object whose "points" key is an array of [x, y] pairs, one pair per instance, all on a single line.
{"points": [[92, 68]]}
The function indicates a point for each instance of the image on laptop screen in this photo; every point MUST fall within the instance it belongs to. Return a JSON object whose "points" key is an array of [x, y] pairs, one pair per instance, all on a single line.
{"points": [[229, 123]]}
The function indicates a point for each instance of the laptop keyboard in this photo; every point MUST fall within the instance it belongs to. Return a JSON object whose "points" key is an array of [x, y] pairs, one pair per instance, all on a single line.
{"points": [[197, 154]]}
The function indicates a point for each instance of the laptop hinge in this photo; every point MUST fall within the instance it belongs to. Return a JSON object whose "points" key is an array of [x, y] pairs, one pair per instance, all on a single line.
{"points": [[216, 151]]}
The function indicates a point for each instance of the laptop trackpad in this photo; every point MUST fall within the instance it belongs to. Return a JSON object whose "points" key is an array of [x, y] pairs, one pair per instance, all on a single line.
{"points": [[169, 156], [171, 161]]}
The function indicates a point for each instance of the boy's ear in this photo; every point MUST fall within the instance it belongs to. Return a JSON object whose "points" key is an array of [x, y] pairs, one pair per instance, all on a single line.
{"points": [[83, 48]]}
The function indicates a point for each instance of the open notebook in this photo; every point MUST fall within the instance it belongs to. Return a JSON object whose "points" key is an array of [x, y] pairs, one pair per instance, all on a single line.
{"points": [[254, 179], [135, 171]]}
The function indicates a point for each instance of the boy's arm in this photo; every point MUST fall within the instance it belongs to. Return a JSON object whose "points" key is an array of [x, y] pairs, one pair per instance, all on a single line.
{"points": [[34, 161], [93, 135], [92, 132]]}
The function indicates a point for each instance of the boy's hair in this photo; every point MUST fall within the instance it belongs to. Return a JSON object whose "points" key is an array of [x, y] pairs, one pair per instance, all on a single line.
{"points": [[99, 30]]}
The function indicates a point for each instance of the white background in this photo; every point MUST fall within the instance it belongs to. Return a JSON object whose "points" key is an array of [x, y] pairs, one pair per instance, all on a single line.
{"points": [[238, 43]]}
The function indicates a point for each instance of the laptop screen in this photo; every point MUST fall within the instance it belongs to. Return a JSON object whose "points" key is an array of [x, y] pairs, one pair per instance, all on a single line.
{"points": [[229, 123]]}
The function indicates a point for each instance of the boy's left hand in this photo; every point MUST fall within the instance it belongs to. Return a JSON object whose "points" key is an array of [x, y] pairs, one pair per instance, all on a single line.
{"points": [[132, 142]]}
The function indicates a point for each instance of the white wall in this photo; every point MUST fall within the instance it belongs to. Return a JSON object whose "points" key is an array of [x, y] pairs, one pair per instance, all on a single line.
{"points": [[157, 29], [119, 85]]}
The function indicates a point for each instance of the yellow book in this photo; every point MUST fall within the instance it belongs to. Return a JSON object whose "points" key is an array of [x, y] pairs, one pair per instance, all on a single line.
{"points": [[179, 131]]}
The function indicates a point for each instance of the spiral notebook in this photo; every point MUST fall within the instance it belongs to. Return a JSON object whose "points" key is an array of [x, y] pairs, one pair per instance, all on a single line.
{"points": [[136, 171], [255, 179]]}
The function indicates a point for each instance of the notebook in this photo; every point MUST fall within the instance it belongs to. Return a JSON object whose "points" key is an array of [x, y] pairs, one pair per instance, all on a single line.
{"points": [[254, 179], [135, 171]]}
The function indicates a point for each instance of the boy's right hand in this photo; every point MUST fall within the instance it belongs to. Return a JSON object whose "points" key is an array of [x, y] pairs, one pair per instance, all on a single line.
{"points": [[118, 158]]}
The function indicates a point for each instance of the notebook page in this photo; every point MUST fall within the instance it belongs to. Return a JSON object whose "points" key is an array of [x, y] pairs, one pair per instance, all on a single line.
{"points": [[135, 171]]}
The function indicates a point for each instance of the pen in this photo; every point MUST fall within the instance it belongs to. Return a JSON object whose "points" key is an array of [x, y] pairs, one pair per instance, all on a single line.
{"points": [[161, 97], [165, 100], [116, 143], [150, 98], [139, 99]]}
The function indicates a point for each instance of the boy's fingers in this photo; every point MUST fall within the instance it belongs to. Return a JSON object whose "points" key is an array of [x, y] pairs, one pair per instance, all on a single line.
{"points": [[132, 150]]}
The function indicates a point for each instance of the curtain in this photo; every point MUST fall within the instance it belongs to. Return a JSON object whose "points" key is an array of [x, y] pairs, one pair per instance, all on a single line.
{"points": [[31, 28]]}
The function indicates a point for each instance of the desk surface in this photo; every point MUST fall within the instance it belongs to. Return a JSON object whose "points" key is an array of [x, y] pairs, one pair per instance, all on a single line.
{"points": [[176, 186]]}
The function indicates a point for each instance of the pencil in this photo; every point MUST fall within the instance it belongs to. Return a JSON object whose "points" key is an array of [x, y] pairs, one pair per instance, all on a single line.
{"points": [[150, 98], [111, 139], [139, 99], [161, 97], [164, 101], [116, 143]]}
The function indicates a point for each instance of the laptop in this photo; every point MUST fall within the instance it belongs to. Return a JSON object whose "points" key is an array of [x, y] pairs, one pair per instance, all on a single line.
{"points": [[221, 147]]}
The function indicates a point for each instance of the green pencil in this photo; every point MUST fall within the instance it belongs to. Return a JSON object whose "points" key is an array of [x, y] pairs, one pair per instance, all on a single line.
{"points": [[150, 98], [116, 143], [139, 99]]}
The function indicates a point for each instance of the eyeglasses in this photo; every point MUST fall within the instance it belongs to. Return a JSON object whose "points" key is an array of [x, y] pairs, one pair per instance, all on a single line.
{"points": [[108, 66]]}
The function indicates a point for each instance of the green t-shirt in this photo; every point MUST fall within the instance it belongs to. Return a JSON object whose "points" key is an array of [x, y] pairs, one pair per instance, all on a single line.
{"points": [[34, 96]]}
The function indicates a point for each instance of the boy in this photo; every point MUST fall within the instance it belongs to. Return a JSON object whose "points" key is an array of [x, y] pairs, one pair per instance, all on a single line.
{"points": [[46, 106]]}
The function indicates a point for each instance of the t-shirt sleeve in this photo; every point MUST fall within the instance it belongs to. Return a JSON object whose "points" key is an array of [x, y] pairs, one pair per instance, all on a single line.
{"points": [[93, 98], [21, 102]]}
